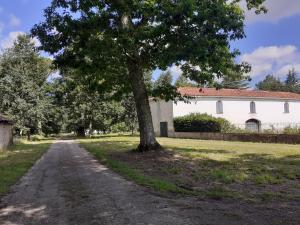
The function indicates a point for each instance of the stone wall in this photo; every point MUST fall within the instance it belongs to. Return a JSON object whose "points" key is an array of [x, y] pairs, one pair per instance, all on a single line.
{"points": [[6, 136], [263, 138]]}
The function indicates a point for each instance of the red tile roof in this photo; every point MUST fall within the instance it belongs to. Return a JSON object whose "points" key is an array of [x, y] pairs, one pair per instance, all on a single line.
{"points": [[212, 92]]}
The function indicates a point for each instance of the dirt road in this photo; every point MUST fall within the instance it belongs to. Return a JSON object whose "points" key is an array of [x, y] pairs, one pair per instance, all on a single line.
{"points": [[67, 186]]}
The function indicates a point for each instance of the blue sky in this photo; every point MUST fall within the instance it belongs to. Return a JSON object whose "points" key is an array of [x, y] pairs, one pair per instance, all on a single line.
{"points": [[272, 45]]}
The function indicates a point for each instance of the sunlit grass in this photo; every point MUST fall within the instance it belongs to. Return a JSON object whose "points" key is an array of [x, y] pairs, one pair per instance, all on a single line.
{"points": [[16, 161], [216, 164]]}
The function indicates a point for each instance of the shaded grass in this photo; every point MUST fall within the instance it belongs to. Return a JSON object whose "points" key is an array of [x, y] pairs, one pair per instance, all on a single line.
{"points": [[217, 168], [133, 173], [16, 161]]}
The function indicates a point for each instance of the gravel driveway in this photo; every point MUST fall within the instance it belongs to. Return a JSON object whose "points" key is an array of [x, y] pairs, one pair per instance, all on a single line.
{"points": [[67, 186]]}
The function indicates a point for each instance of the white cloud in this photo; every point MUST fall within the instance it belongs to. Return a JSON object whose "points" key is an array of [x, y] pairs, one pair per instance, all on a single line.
{"points": [[277, 10], [276, 60], [9, 41], [175, 71], [14, 21]]}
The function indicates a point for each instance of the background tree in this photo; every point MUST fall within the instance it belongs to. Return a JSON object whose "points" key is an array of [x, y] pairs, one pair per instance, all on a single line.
{"points": [[129, 115], [183, 81], [235, 80], [23, 78], [55, 115], [115, 42], [292, 82], [164, 79], [271, 83]]}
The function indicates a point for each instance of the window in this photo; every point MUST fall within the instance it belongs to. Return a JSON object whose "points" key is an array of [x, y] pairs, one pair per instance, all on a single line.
{"points": [[253, 125], [219, 107], [286, 107], [252, 107]]}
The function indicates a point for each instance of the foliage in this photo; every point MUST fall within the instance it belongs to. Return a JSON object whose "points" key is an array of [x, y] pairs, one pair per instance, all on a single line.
{"points": [[23, 78], [165, 79], [235, 80], [292, 82], [167, 32], [163, 86], [291, 130], [183, 81], [87, 109], [83, 109], [196, 122], [271, 83], [114, 43], [129, 115]]}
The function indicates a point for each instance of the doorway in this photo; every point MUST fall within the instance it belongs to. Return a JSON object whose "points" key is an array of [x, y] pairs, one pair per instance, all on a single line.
{"points": [[164, 129]]}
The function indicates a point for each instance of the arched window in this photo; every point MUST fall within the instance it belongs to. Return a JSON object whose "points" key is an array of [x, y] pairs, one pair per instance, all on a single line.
{"points": [[286, 107], [252, 107], [219, 107], [253, 125]]}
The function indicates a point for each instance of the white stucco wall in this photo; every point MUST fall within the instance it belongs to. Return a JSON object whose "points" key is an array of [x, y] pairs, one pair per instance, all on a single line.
{"points": [[6, 136], [237, 110], [162, 111]]}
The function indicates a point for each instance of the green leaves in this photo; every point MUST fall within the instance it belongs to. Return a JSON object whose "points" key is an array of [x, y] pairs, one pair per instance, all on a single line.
{"points": [[23, 78], [158, 34]]}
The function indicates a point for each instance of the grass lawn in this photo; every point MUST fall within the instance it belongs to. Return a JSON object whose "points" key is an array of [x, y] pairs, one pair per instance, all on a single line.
{"points": [[214, 169], [16, 161]]}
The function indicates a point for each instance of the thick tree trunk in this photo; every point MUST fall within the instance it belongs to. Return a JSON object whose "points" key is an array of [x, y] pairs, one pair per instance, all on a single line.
{"points": [[147, 136]]}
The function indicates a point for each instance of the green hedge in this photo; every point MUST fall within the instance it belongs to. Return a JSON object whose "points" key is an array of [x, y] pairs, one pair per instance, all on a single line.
{"points": [[197, 122]]}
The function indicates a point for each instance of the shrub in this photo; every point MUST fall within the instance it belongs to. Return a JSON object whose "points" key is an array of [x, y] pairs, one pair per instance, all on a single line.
{"points": [[197, 122], [291, 130]]}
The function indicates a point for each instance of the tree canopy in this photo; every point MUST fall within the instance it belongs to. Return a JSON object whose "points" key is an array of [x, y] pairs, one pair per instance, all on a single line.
{"points": [[114, 42], [183, 81], [290, 84], [23, 78]]}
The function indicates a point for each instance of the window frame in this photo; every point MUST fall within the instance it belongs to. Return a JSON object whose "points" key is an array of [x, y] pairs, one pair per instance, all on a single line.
{"points": [[219, 107], [287, 107], [253, 107]]}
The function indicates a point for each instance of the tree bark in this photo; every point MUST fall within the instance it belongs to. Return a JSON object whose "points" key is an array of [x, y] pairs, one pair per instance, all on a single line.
{"points": [[148, 141]]}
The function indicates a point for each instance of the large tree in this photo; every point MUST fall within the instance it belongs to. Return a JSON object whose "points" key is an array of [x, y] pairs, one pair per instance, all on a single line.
{"points": [[23, 79], [114, 42]]}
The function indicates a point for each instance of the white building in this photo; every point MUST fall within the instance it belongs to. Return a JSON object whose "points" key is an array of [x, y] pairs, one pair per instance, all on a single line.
{"points": [[248, 109]]}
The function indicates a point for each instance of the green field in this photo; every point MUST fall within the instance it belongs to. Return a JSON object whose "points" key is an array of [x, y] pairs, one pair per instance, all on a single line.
{"points": [[215, 169], [16, 161]]}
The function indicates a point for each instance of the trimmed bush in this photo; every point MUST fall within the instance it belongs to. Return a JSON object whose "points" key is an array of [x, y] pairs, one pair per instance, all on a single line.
{"points": [[197, 122]]}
